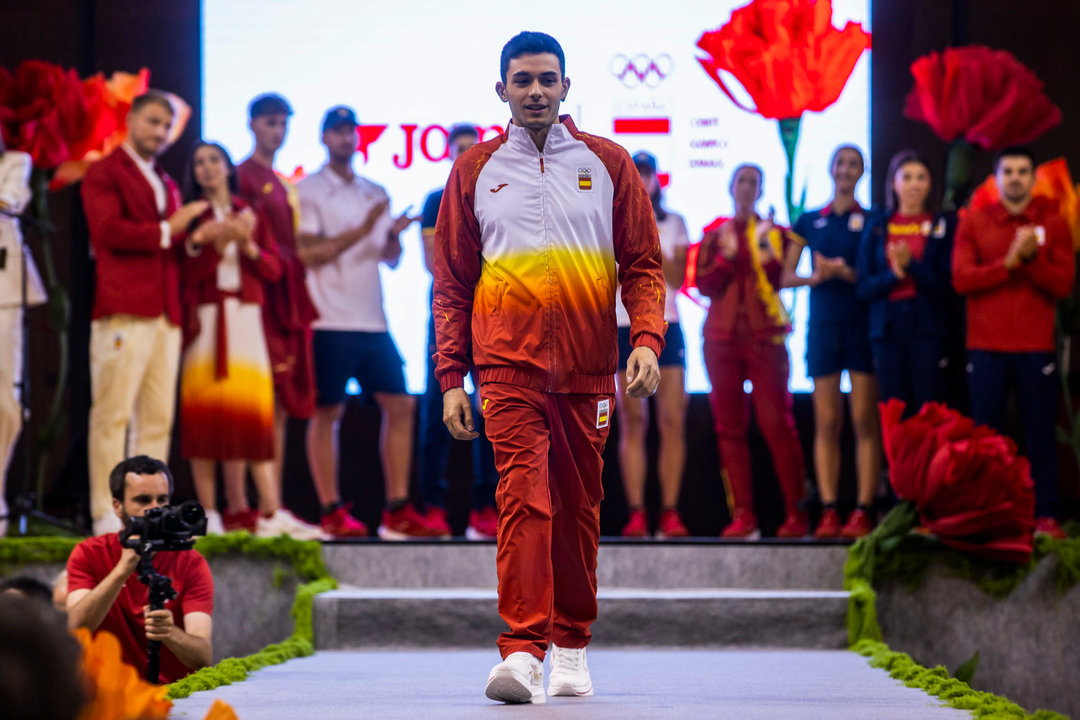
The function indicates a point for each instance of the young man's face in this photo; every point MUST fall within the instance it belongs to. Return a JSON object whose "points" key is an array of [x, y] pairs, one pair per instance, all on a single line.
{"points": [[1015, 178], [141, 492], [269, 131], [148, 129], [340, 142], [534, 88]]}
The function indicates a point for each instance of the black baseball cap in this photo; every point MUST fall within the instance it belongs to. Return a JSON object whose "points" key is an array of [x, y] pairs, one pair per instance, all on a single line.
{"points": [[269, 104], [645, 160], [338, 116]]}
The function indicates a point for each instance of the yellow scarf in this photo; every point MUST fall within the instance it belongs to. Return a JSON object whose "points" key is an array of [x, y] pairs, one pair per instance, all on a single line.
{"points": [[769, 297]]}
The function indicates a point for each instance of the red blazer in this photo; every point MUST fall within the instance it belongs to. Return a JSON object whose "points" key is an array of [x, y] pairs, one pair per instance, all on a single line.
{"points": [[135, 276]]}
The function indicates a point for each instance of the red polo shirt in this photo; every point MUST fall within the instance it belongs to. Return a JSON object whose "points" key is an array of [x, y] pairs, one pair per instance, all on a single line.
{"points": [[94, 558], [1012, 311]]}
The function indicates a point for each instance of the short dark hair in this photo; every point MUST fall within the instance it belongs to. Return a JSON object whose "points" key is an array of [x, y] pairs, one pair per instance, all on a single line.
{"points": [[34, 636], [1014, 151], [462, 130], [152, 97], [747, 166], [29, 586], [140, 465], [190, 187], [530, 43], [899, 160], [852, 148], [269, 104]]}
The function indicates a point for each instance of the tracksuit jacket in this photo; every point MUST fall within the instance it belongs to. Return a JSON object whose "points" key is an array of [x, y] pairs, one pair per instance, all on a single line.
{"points": [[526, 248]]}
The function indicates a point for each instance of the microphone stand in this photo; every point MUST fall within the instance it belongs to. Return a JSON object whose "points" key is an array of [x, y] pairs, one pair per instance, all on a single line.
{"points": [[24, 505]]}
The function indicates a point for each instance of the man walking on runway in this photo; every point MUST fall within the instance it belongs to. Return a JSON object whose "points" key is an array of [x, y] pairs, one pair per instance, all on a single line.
{"points": [[531, 228]]}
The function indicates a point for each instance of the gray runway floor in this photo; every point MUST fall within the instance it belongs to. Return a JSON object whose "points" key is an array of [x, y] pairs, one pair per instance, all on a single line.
{"points": [[685, 684]]}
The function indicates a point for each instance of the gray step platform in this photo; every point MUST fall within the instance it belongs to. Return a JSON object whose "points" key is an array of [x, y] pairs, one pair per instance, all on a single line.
{"points": [[352, 618], [630, 685], [667, 565]]}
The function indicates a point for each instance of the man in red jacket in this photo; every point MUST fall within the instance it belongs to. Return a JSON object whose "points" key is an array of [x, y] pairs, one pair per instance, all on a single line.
{"points": [[1014, 260], [135, 218], [531, 227]]}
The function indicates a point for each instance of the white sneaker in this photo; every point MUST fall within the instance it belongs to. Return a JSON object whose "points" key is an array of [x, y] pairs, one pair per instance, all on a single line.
{"points": [[517, 679], [283, 522], [214, 526], [106, 524], [569, 673]]}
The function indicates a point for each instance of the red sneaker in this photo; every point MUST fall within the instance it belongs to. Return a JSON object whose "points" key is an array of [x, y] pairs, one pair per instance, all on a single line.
{"points": [[795, 526], [245, 519], [671, 526], [406, 524], [1049, 526], [857, 525], [637, 525], [435, 518], [483, 524], [742, 527], [340, 523], [829, 525]]}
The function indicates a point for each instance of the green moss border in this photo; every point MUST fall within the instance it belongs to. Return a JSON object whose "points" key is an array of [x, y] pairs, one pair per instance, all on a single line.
{"points": [[891, 551], [305, 557]]}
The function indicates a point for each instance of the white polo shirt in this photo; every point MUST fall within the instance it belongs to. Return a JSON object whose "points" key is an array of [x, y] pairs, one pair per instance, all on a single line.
{"points": [[673, 236], [347, 291]]}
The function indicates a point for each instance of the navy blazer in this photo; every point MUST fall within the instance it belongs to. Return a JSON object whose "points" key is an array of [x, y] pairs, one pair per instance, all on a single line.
{"points": [[932, 275]]}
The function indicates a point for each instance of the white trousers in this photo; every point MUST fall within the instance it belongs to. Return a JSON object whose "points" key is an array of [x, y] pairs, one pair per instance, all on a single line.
{"points": [[133, 368], [11, 358]]}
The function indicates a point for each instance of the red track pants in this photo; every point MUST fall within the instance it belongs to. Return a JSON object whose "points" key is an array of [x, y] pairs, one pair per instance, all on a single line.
{"points": [[548, 451], [765, 365]]}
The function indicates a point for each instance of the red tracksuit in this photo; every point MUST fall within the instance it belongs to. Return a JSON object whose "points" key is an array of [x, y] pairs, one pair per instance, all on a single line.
{"points": [[745, 341], [526, 248]]}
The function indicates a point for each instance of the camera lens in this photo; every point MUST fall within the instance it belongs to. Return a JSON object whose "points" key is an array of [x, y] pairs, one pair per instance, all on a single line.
{"points": [[191, 513]]}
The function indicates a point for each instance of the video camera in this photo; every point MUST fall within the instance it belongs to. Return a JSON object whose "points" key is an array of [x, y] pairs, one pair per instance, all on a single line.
{"points": [[171, 527]]}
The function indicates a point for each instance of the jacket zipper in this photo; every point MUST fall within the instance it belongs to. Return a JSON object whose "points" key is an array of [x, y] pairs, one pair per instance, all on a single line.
{"points": [[551, 305]]}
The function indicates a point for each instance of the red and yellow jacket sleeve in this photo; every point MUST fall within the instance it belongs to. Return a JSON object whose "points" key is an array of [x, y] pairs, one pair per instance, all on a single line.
{"points": [[457, 270], [637, 251]]}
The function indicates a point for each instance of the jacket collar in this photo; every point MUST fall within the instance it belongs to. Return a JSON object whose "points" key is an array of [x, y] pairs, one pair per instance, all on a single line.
{"points": [[559, 137]]}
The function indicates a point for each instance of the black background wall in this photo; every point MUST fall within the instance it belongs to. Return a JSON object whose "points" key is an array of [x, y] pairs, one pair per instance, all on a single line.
{"points": [[110, 35]]}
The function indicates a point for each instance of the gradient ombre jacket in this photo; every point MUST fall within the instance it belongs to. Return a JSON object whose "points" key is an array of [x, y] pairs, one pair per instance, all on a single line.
{"points": [[526, 248]]}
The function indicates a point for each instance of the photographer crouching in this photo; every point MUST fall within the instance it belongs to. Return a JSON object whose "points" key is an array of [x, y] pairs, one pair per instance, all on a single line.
{"points": [[107, 587]]}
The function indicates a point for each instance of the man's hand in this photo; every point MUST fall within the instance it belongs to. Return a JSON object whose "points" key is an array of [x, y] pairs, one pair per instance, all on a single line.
{"points": [[1024, 247], [642, 372], [159, 623], [401, 222], [129, 561], [457, 414], [179, 220]]}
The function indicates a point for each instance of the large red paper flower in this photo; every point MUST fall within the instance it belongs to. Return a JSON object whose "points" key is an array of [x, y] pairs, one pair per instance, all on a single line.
{"points": [[969, 485], [787, 55], [987, 97], [65, 123]]}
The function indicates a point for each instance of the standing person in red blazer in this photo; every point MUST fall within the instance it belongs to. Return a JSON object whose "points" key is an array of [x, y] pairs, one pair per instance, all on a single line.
{"points": [[1014, 261], [136, 220], [739, 268], [226, 385]]}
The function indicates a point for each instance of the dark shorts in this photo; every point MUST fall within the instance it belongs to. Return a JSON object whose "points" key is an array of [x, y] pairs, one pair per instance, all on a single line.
{"points": [[833, 347], [370, 357], [674, 347]]}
